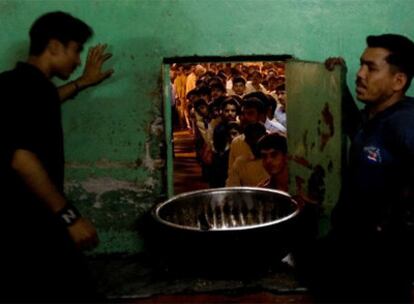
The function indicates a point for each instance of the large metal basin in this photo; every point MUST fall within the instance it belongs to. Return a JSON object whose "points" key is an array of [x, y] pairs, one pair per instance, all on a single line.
{"points": [[227, 209], [232, 229]]}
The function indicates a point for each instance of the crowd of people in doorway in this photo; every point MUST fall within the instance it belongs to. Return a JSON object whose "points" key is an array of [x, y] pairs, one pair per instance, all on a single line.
{"points": [[236, 113]]}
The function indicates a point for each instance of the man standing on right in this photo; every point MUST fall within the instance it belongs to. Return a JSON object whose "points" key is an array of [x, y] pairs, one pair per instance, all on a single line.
{"points": [[368, 254]]}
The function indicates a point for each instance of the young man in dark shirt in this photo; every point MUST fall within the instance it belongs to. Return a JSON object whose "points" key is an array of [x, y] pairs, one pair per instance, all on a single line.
{"points": [[367, 257], [42, 234]]}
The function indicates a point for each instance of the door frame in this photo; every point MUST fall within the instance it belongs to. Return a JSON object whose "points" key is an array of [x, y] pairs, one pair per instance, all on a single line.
{"points": [[169, 140]]}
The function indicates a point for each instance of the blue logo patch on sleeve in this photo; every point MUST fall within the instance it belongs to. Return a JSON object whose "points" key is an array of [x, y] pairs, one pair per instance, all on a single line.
{"points": [[373, 154]]}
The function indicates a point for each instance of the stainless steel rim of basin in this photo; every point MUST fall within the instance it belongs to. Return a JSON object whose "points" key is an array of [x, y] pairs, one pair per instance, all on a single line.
{"points": [[222, 190]]}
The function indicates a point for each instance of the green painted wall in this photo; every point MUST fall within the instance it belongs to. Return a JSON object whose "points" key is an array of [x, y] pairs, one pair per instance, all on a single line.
{"points": [[112, 132]]}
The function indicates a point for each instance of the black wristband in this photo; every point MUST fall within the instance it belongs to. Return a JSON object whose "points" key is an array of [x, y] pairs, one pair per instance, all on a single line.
{"points": [[68, 215]]}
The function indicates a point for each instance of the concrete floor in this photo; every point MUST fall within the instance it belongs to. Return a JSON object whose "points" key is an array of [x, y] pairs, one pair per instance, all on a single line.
{"points": [[143, 279]]}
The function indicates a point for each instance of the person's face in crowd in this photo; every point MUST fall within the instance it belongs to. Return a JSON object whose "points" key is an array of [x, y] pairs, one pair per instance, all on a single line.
{"points": [[239, 88], [66, 58], [229, 112], [227, 69], [249, 115], [233, 133], [375, 80], [251, 69], [280, 70], [271, 73], [281, 96], [273, 161], [239, 67], [272, 84], [216, 93], [256, 78], [205, 97], [203, 111], [213, 67]]}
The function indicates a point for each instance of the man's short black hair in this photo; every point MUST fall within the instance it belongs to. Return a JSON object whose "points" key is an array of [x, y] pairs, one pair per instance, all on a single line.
{"points": [[281, 87], [193, 92], [216, 103], [273, 141], [198, 103], [234, 125], [218, 86], [204, 90], [401, 52], [254, 103], [232, 101], [60, 26], [187, 66], [257, 94], [267, 103], [239, 79]]}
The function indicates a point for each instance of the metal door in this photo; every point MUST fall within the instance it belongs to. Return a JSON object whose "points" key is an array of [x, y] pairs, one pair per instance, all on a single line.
{"points": [[316, 144]]}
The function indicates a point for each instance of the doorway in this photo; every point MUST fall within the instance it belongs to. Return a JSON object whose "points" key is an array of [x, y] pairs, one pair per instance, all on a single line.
{"points": [[316, 142], [185, 170]]}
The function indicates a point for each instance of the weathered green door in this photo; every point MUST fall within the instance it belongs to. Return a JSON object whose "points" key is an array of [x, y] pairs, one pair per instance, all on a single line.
{"points": [[315, 137]]}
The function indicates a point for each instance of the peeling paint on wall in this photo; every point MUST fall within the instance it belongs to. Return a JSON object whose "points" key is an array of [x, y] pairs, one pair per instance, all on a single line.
{"points": [[99, 186], [326, 129], [157, 127], [115, 207], [149, 163]]}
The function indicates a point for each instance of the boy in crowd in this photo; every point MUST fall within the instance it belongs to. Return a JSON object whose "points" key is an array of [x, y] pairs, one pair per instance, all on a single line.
{"points": [[252, 111], [280, 112], [248, 171], [217, 90], [273, 152], [221, 141], [269, 103], [238, 87]]}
